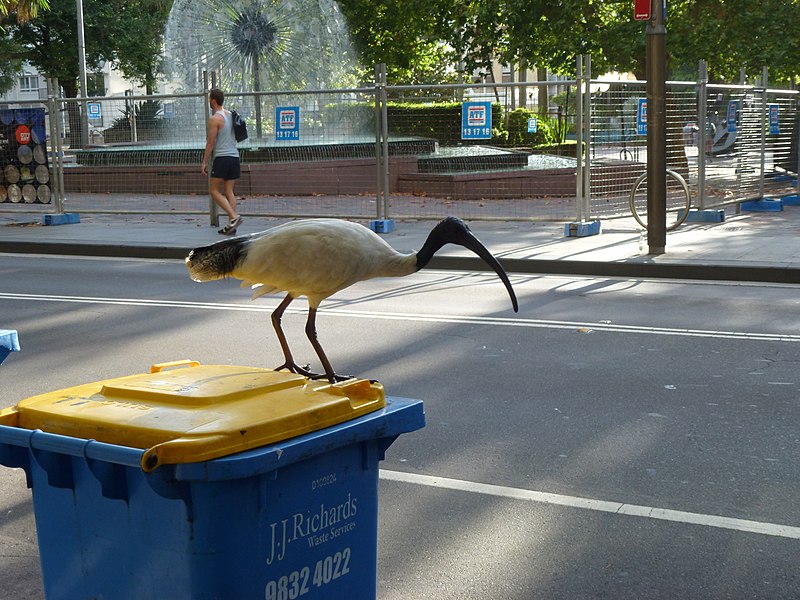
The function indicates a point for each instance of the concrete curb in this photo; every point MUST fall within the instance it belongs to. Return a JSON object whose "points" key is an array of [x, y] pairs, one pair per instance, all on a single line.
{"points": [[637, 268]]}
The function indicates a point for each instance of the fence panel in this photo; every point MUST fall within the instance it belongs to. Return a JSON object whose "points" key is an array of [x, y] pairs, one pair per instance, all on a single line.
{"points": [[618, 138], [145, 153], [732, 145], [781, 144], [749, 137], [486, 151]]}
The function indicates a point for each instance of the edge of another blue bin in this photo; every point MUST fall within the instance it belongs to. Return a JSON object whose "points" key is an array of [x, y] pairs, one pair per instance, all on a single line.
{"points": [[9, 342]]}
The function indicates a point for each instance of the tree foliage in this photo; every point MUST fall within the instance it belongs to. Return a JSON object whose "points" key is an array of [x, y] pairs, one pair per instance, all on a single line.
{"points": [[23, 9], [729, 34], [126, 33]]}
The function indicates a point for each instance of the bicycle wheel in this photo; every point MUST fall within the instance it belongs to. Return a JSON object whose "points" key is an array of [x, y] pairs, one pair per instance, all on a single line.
{"points": [[679, 199]]}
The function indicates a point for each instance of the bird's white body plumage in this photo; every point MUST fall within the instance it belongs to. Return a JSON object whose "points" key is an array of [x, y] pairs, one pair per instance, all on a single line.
{"points": [[317, 258]]}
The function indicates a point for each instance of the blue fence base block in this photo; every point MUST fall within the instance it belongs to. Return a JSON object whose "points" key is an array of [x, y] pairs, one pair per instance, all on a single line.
{"points": [[763, 205], [704, 216], [382, 225], [779, 177], [793, 200], [61, 219], [581, 228]]}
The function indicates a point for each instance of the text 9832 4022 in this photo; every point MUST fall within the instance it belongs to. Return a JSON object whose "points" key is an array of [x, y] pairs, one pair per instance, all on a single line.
{"points": [[298, 583]]}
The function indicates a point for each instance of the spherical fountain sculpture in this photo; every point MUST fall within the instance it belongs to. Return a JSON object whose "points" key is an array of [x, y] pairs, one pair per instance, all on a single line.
{"points": [[258, 45]]}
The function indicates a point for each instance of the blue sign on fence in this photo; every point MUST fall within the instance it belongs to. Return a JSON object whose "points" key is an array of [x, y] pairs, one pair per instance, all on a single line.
{"points": [[476, 121], [774, 119], [93, 108], [287, 123], [533, 125], [641, 117], [733, 112]]}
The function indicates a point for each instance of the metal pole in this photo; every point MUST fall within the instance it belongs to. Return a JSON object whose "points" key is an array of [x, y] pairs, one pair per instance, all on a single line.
{"points": [[378, 145], [797, 128], [82, 71], [764, 112], [54, 166], [385, 143], [213, 213], [702, 116], [587, 128], [579, 136], [656, 130], [59, 145]]}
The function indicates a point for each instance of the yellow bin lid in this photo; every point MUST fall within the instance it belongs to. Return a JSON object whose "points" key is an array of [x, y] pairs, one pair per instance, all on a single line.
{"points": [[196, 413]]}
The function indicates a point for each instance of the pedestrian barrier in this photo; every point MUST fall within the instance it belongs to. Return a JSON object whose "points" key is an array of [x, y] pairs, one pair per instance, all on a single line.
{"points": [[493, 151]]}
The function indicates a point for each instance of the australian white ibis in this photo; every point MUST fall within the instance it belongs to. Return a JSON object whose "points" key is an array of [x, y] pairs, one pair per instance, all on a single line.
{"points": [[318, 257]]}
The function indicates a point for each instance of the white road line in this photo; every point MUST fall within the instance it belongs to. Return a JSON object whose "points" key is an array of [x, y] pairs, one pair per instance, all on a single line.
{"points": [[633, 510], [419, 317]]}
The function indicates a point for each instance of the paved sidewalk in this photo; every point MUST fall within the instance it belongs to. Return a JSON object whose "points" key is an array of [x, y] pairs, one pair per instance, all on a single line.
{"points": [[747, 247]]}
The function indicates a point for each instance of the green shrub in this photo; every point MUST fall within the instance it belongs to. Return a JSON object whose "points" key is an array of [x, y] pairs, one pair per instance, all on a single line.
{"points": [[350, 117], [518, 134], [441, 120], [150, 123]]}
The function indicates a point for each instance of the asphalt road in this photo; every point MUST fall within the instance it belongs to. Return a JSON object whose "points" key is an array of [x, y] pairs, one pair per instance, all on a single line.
{"points": [[614, 439]]}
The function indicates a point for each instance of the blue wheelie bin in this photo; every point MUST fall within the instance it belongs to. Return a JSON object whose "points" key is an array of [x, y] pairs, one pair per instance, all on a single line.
{"points": [[207, 482], [9, 342]]}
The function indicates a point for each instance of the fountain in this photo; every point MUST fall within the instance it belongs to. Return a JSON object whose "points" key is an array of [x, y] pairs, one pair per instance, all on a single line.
{"points": [[254, 45], [259, 44]]}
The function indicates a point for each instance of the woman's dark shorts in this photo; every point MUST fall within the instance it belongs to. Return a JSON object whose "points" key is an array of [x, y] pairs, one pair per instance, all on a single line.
{"points": [[226, 167]]}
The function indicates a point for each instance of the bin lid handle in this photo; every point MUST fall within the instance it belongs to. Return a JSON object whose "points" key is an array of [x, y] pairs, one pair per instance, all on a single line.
{"points": [[186, 362]]}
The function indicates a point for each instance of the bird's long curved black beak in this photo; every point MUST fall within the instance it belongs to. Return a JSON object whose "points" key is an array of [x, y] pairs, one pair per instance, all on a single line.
{"points": [[453, 230]]}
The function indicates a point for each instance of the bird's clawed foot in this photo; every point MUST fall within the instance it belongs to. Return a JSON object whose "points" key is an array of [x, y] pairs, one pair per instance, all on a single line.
{"points": [[333, 377], [305, 372], [298, 370]]}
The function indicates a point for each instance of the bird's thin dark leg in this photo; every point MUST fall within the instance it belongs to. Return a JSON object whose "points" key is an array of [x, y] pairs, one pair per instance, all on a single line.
{"points": [[311, 332], [289, 363]]}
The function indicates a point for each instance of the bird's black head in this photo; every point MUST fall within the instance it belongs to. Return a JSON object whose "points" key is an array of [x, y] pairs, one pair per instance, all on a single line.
{"points": [[453, 230], [218, 260]]}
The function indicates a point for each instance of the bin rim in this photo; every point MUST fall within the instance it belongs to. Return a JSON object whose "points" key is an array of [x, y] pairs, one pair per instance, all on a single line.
{"points": [[400, 415]]}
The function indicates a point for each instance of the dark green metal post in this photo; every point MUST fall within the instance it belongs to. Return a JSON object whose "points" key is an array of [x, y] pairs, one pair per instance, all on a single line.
{"points": [[656, 130]]}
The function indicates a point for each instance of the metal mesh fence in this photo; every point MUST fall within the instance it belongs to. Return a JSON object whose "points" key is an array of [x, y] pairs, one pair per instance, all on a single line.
{"points": [[493, 151], [486, 151], [146, 154], [781, 143], [618, 138], [749, 144]]}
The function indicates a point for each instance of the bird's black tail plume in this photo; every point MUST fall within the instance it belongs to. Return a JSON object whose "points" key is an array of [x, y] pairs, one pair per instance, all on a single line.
{"points": [[453, 230]]}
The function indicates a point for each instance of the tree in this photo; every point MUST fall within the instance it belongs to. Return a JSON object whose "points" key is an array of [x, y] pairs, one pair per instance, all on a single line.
{"points": [[123, 32], [23, 9], [10, 64], [136, 34], [735, 34], [403, 35], [729, 34]]}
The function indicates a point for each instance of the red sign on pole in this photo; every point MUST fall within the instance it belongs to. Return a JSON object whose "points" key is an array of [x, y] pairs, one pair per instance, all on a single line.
{"points": [[642, 10]]}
